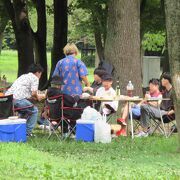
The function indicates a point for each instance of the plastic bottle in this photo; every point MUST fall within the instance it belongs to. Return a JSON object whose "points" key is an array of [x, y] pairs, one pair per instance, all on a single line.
{"points": [[118, 91], [130, 89]]}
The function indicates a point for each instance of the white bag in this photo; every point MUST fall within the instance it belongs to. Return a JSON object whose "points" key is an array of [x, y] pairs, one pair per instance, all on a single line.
{"points": [[102, 132], [90, 114]]}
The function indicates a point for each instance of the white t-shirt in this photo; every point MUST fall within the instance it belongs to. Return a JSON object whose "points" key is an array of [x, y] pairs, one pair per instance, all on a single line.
{"points": [[101, 92], [23, 86]]}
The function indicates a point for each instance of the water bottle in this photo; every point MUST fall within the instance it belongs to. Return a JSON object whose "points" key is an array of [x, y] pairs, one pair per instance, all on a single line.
{"points": [[130, 89], [118, 91]]}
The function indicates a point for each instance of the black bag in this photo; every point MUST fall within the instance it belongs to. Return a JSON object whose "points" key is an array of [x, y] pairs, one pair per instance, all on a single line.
{"points": [[6, 106]]}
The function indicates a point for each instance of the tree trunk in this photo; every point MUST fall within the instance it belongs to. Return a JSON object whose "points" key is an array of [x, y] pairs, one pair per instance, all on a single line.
{"points": [[18, 14], [172, 10], [60, 31], [122, 48], [40, 40], [99, 44]]}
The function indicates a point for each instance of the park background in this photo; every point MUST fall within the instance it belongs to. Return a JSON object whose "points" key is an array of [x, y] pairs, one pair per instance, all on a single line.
{"points": [[144, 23]]}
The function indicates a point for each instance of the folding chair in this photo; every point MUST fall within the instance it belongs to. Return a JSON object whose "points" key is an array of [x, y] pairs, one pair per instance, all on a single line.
{"points": [[63, 116], [6, 106], [160, 124]]}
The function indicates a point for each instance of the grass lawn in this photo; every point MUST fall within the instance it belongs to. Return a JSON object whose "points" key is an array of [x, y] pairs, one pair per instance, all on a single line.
{"points": [[154, 157], [143, 158], [9, 65]]}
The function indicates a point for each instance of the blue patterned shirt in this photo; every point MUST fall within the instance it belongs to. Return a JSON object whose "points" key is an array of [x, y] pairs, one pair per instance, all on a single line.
{"points": [[71, 70]]}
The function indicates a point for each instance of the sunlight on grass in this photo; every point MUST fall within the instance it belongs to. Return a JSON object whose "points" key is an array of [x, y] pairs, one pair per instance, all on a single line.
{"points": [[9, 65], [144, 158]]}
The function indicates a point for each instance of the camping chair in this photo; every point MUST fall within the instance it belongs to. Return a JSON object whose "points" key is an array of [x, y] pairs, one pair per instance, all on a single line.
{"points": [[6, 106], [63, 116], [159, 124]]}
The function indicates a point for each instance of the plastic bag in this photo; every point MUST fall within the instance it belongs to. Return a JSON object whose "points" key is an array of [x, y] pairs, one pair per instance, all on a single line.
{"points": [[90, 114], [102, 132]]}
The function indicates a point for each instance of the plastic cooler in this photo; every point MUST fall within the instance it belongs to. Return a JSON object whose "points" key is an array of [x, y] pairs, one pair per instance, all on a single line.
{"points": [[13, 130], [85, 130]]}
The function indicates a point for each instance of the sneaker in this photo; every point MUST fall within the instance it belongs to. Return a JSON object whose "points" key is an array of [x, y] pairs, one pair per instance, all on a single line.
{"points": [[30, 135], [121, 132], [121, 121], [65, 135], [142, 134], [113, 136], [43, 127], [73, 136]]}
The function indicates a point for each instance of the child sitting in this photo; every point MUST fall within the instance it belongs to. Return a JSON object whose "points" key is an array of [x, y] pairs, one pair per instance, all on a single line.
{"points": [[105, 91]]}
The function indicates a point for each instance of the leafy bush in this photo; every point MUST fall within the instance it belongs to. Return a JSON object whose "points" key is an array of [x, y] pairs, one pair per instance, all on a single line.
{"points": [[154, 42]]}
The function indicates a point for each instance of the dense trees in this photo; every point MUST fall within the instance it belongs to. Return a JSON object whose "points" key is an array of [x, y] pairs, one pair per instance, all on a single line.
{"points": [[18, 14], [173, 35], [31, 45]]}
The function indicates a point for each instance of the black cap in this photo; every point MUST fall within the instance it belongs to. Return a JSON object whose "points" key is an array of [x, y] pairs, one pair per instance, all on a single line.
{"points": [[107, 77], [57, 80]]}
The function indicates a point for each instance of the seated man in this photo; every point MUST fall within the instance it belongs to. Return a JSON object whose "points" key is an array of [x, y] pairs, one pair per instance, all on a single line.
{"points": [[107, 90], [136, 110], [24, 90], [166, 107]]}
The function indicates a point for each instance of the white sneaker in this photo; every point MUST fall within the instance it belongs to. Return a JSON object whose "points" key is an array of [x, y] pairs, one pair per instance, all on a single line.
{"points": [[43, 126], [142, 134], [113, 136]]}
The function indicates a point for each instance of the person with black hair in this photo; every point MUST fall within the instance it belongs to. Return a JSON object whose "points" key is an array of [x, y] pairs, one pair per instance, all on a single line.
{"points": [[136, 108], [24, 90], [98, 74], [166, 107], [69, 101], [107, 90]]}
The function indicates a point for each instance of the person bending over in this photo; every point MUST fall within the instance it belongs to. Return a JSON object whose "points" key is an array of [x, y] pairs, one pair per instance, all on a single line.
{"points": [[24, 91]]}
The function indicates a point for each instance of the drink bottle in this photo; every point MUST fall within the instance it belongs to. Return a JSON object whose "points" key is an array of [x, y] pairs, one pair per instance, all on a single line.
{"points": [[130, 89], [118, 91]]}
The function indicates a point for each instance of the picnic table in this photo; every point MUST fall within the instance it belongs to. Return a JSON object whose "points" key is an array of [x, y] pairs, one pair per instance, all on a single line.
{"points": [[129, 100]]}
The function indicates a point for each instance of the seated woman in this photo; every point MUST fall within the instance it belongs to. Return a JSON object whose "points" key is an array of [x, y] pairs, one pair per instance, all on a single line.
{"points": [[136, 108], [107, 90]]}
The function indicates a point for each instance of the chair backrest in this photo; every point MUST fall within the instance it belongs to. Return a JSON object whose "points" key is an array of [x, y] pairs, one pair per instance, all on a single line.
{"points": [[6, 106], [107, 66], [55, 106]]}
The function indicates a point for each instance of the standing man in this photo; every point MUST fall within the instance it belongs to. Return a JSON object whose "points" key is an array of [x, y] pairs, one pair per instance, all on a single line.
{"points": [[72, 70], [24, 90]]}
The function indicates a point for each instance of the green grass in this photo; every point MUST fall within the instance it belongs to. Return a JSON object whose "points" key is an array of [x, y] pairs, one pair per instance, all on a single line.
{"points": [[144, 158], [9, 65]]}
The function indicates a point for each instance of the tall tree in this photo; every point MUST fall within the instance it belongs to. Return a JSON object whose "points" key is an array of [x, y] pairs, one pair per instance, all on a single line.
{"points": [[60, 31], [17, 10], [3, 22], [172, 10], [122, 47], [40, 39]]}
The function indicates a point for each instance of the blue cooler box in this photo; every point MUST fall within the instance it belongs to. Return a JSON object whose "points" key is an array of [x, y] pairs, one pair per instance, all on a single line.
{"points": [[13, 130], [85, 130]]}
